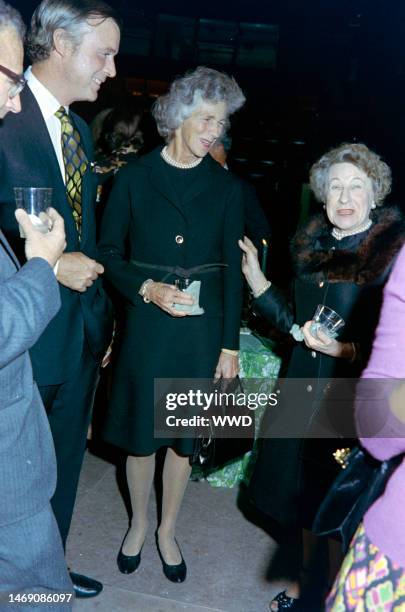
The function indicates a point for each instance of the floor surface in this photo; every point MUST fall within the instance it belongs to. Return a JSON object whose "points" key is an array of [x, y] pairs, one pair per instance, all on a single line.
{"points": [[227, 555]]}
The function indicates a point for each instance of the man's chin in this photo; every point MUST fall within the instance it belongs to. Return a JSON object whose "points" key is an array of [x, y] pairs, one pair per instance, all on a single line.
{"points": [[89, 96]]}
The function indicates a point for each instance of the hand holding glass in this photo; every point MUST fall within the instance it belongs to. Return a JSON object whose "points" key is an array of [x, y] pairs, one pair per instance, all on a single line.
{"points": [[326, 320], [35, 201]]}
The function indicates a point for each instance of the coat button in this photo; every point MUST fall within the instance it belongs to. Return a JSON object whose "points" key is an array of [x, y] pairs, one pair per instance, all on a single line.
{"points": [[313, 354], [321, 284], [179, 239], [309, 388]]}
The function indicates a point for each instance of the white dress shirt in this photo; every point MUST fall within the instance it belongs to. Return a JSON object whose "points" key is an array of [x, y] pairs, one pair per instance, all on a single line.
{"points": [[48, 105]]}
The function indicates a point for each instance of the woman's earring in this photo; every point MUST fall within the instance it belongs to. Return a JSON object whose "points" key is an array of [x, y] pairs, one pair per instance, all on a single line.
{"points": [[324, 206], [373, 206]]}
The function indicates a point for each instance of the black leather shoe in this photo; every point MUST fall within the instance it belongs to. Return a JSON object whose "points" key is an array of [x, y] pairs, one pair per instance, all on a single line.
{"points": [[85, 586], [284, 602], [128, 563], [174, 573]]}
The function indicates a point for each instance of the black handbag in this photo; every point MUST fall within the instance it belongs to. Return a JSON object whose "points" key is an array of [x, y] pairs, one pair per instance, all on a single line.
{"points": [[355, 489], [204, 449], [210, 451]]}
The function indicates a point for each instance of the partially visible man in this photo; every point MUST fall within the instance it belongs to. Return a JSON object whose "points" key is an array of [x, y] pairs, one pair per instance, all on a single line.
{"points": [[72, 45], [31, 552], [256, 225]]}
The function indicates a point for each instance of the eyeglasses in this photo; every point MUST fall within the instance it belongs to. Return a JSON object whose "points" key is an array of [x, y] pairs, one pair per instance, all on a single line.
{"points": [[19, 81]]}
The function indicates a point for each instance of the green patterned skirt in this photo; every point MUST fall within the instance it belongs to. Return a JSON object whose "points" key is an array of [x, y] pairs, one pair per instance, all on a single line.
{"points": [[368, 581]]}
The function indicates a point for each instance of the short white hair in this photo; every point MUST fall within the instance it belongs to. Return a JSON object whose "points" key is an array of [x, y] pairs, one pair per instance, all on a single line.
{"points": [[187, 93]]}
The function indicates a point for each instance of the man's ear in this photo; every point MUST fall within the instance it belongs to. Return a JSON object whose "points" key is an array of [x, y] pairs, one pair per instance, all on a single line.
{"points": [[61, 42]]}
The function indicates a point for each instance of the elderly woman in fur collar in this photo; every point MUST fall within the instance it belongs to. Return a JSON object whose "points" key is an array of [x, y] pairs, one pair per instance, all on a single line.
{"points": [[342, 259]]}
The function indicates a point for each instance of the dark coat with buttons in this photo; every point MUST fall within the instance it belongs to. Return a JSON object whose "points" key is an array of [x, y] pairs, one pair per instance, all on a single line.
{"points": [[146, 220], [292, 475]]}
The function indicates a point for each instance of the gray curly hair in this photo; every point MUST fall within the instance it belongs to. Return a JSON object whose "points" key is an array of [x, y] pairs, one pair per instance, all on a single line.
{"points": [[11, 18], [186, 94], [72, 16], [359, 155]]}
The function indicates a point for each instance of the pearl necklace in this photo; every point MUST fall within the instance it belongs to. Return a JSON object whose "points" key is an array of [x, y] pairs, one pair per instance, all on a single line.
{"points": [[177, 164], [339, 233]]}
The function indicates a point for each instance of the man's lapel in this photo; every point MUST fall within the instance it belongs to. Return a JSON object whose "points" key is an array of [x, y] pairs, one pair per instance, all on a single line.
{"points": [[50, 171]]}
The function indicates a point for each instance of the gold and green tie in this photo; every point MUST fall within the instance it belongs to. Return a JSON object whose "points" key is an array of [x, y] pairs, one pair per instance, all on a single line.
{"points": [[75, 162]]}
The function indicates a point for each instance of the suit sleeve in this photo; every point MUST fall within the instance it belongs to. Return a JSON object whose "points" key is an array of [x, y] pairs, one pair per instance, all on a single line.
{"points": [[112, 247], [232, 256], [28, 301], [257, 226], [275, 308]]}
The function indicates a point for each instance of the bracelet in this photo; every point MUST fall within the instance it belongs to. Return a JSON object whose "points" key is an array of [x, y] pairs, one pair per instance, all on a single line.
{"points": [[143, 289], [257, 294], [230, 352]]}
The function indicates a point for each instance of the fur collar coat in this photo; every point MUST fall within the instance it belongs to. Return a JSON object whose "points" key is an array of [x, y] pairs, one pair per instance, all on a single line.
{"points": [[359, 259]]}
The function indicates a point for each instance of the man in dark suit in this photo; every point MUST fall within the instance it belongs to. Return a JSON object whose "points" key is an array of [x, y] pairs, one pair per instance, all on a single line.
{"points": [[31, 552], [72, 46], [257, 226]]}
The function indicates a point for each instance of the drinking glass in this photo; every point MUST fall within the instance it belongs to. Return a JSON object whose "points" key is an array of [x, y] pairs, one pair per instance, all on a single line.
{"points": [[35, 201], [327, 320]]}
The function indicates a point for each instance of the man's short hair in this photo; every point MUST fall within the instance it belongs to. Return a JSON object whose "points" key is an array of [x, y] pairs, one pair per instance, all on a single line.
{"points": [[72, 16], [11, 18]]}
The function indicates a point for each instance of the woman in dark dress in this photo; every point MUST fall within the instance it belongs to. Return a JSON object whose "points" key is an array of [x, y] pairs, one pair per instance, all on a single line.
{"points": [[341, 260], [172, 211]]}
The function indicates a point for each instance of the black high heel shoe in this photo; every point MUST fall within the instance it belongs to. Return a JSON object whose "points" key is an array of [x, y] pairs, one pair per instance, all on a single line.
{"points": [[174, 573], [127, 564], [284, 602]]}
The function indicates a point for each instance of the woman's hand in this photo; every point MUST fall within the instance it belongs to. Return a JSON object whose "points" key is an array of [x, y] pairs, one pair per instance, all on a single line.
{"points": [[324, 344], [250, 265], [165, 296], [227, 366]]}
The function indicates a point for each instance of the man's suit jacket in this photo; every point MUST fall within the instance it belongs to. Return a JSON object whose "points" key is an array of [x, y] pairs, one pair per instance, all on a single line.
{"points": [[28, 159], [29, 298]]}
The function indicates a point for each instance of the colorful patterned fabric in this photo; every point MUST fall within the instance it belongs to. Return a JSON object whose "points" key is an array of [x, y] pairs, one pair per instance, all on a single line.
{"points": [[368, 581], [75, 162]]}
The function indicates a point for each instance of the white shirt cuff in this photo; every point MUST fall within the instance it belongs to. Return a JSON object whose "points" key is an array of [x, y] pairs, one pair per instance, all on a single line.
{"points": [[56, 266]]}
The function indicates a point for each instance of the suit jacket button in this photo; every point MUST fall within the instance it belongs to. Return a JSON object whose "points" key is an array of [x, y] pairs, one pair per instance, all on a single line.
{"points": [[321, 284], [179, 239]]}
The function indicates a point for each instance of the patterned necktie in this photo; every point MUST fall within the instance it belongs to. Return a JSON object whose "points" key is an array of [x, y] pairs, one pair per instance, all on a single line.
{"points": [[75, 162]]}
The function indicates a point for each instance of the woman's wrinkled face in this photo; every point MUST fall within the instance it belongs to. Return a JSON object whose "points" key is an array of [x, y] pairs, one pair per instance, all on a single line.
{"points": [[197, 134], [349, 196]]}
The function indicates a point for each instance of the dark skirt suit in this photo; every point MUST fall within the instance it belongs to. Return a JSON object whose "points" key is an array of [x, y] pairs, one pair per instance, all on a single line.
{"points": [[164, 216], [292, 475]]}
